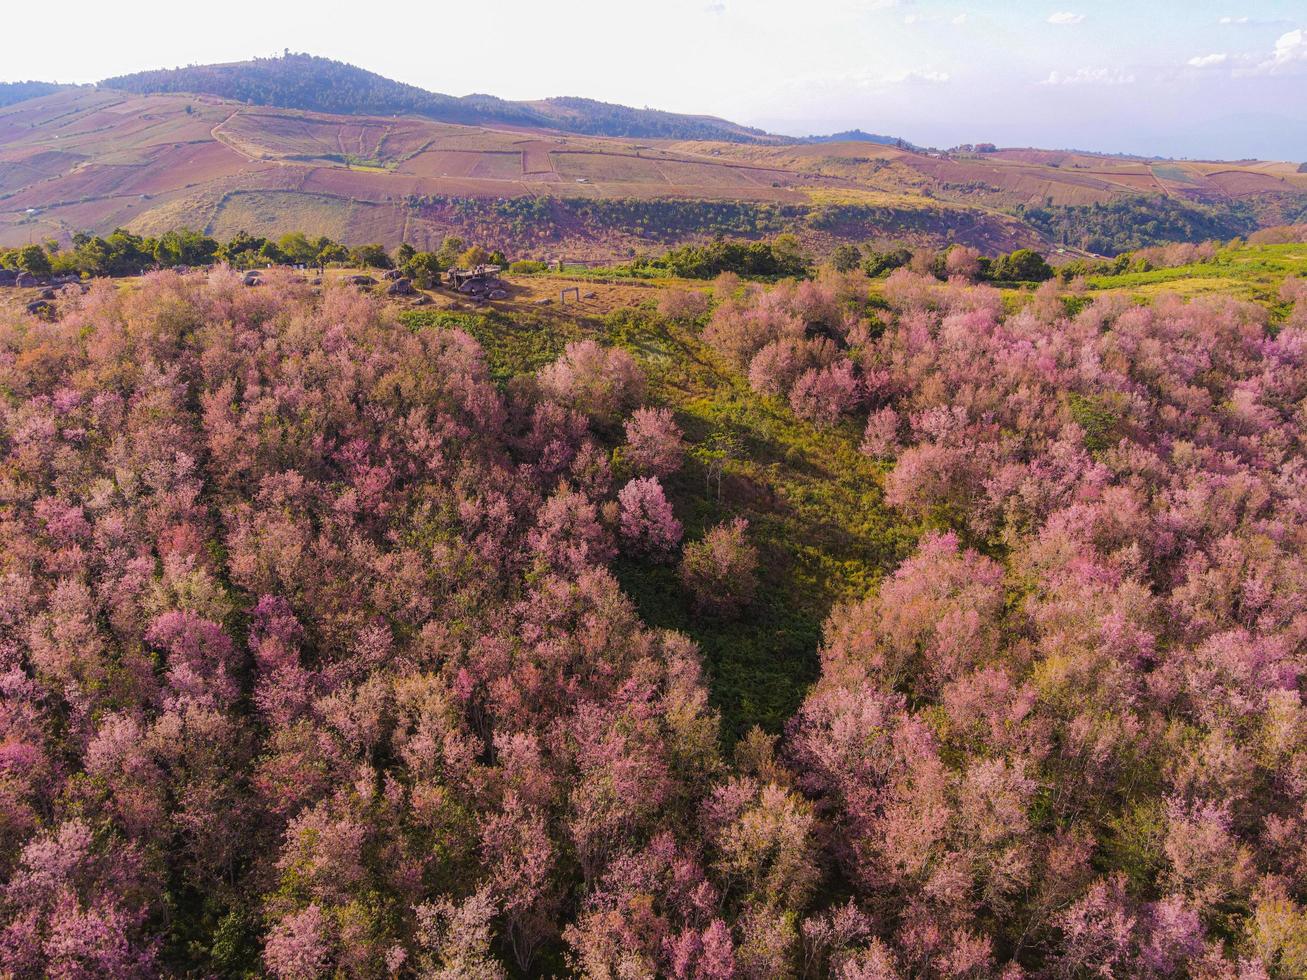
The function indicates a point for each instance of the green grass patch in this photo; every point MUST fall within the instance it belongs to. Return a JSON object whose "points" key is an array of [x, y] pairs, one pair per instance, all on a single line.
{"points": [[813, 502], [1252, 272]]}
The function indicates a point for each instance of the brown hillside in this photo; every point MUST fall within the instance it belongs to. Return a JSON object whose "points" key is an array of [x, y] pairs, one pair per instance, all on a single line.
{"points": [[88, 160]]}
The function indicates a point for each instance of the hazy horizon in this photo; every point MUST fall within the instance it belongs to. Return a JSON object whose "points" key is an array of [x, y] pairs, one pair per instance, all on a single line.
{"points": [[1201, 79]]}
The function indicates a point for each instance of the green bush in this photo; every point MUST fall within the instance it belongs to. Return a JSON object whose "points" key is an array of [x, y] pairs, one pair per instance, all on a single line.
{"points": [[524, 267]]}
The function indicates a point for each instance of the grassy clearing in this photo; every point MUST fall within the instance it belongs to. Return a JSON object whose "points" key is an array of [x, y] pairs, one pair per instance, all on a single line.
{"points": [[269, 213], [1252, 272], [813, 502]]}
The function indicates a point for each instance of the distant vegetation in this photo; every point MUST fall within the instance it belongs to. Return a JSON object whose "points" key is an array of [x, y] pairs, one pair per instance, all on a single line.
{"points": [[12, 92], [303, 81], [956, 261], [667, 220], [777, 258], [123, 253], [1137, 222], [858, 136]]}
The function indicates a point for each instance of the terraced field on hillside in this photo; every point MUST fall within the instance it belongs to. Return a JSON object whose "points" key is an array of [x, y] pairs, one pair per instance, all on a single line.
{"points": [[92, 160]]}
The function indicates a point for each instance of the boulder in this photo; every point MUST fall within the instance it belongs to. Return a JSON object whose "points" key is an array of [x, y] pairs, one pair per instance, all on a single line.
{"points": [[8, 277], [361, 281], [26, 280], [498, 294], [422, 299], [400, 287], [47, 293], [42, 308], [391, 275]]}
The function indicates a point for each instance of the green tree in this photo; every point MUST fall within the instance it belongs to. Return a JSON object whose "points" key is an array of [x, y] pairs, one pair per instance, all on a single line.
{"points": [[332, 252], [185, 247], [34, 259], [788, 251], [880, 263], [242, 250], [424, 269], [846, 258], [449, 250], [1023, 265], [473, 257], [403, 253], [297, 249], [370, 256], [270, 254]]}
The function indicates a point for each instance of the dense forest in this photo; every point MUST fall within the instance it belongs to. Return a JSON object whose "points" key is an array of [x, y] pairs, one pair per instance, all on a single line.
{"points": [[11, 92], [303, 81], [314, 659], [1137, 222]]}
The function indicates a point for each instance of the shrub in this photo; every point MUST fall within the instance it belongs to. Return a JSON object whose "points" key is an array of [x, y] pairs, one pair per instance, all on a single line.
{"points": [[720, 570], [603, 382], [682, 304], [523, 267]]}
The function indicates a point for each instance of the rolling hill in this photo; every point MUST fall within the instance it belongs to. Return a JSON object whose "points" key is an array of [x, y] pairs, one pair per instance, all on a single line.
{"points": [[380, 166], [303, 81], [12, 92]]}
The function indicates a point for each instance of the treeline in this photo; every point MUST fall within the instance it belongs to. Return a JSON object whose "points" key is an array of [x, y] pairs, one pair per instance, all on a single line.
{"points": [[669, 220], [780, 257], [783, 257], [670, 217], [123, 253], [607, 119], [1132, 223], [14, 92], [1021, 265], [303, 81]]}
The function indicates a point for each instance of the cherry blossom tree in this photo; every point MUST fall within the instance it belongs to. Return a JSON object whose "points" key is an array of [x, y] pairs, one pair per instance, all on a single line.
{"points": [[647, 522], [653, 442]]}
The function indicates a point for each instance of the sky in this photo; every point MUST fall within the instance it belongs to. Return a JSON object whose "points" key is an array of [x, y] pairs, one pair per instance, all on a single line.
{"points": [[1220, 79]]}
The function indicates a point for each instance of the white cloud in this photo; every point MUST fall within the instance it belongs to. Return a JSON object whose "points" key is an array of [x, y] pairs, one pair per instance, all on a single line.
{"points": [[1090, 76], [929, 77], [1208, 60], [717, 7], [1233, 20], [957, 20], [1066, 17], [1290, 47], [1290, 52], [867, 79]]}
